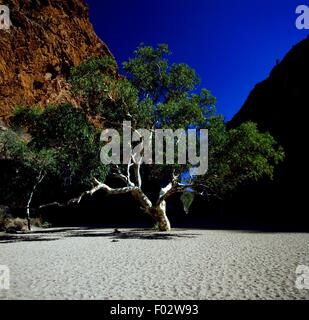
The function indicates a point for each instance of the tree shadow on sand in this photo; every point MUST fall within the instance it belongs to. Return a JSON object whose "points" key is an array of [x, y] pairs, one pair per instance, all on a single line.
{"points": [[136, 234], [115, 236], [19, 238]]}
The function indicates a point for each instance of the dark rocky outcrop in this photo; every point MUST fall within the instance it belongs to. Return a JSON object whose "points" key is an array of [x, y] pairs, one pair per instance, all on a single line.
{"points": [[280, 105]]}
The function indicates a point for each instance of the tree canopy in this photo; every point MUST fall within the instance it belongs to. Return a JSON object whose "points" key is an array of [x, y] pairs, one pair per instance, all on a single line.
{"points": [[61, 143]]}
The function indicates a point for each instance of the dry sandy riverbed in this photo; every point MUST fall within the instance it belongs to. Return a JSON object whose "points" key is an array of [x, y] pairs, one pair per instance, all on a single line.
{"points": [[140, 264]]}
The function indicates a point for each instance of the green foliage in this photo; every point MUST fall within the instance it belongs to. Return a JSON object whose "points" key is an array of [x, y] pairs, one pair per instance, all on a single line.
{"points": [[105, 95], [102, 92], [63, 133], [168, 89], [187, 199], [158, 94], [169, 97], [239, 156], [148, 71], [12, 145], [15, 148], [58, 143], [62, 142], [154, 94]]}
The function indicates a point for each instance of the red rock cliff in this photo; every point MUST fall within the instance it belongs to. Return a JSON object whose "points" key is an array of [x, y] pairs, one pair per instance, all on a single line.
{"points": [[46, 39]]}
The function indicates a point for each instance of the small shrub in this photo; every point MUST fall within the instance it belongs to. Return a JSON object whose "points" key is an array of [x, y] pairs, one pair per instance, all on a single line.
{"points": [[46, 224], [36, 222], [39, 223], [20, 224], [17, 224]]}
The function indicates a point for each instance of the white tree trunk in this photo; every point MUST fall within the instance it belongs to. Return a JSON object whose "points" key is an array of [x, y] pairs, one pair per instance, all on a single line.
{"points": [[159, 215], [157, 211], [39, 180]]}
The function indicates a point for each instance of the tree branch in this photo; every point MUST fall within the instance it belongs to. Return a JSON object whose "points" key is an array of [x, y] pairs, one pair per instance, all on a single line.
{"points": [[137, 170], [130, 164], [175, 187], [38, 181], [123, 177], [172, 189], [99, 186]]}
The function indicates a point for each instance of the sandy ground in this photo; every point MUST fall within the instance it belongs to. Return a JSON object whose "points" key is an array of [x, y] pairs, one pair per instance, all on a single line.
{"points": [[141, 264]]}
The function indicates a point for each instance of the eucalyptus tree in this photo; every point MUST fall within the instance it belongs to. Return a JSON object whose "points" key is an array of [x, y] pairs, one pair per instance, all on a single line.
{"points": [[59, 147], [155, 95]]}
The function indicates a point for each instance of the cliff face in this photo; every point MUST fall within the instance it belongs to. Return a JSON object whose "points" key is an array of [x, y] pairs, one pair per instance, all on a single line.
{"points": [[46, 39], [280, 105]]}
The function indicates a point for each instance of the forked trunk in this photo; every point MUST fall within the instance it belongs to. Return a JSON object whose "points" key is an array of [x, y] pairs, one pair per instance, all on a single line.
{"points": [[159, 214]]}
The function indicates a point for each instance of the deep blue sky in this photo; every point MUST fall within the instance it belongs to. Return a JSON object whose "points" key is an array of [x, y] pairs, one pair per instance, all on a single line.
{"points": [[231, 44]]}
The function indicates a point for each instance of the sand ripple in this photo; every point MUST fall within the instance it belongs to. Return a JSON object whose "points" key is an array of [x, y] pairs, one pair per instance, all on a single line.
{"points": [[187, 264]]}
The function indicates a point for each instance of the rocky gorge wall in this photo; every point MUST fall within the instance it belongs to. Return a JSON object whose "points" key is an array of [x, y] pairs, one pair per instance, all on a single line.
{"points": [[46, 38]]}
